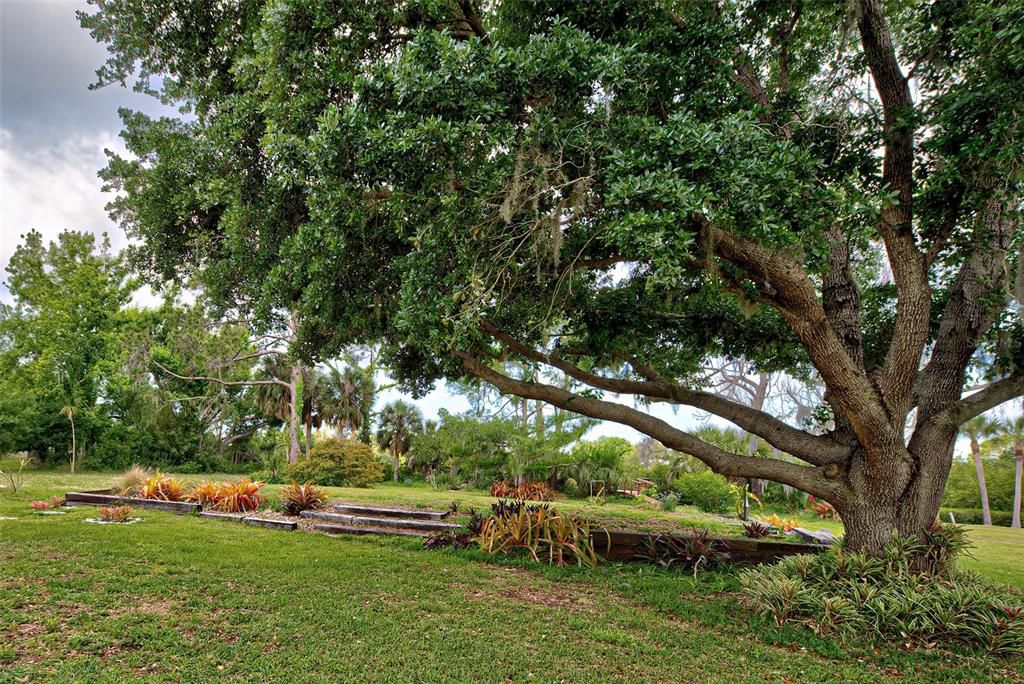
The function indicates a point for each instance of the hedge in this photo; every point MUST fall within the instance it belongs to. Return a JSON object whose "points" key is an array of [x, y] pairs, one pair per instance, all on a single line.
{"points": [[973, 516]]}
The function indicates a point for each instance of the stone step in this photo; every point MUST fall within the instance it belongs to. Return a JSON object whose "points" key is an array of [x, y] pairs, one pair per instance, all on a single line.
{"points": [[271, 523], [386, 512], [336, 528], [413, 524]]}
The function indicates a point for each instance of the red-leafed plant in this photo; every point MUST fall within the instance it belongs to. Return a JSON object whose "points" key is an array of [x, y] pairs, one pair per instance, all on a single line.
{"points": [[120, 514], [532, 491], [822, 509], [41, 505]]}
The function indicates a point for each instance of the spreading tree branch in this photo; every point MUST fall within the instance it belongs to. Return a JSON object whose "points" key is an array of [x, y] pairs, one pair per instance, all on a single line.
{"points": [[815, 449], [820, 481]]}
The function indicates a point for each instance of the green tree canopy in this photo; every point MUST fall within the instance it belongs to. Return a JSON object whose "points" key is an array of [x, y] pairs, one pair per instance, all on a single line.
{"points": [[618, 190]]}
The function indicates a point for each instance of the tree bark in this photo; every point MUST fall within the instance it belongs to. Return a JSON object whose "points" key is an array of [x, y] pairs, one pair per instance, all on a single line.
{"points": [[396, 464], [986, 513]]}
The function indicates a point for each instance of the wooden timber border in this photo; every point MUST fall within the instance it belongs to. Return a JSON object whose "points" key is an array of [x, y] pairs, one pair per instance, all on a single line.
{"points": [[620, 545], [105, 498]]}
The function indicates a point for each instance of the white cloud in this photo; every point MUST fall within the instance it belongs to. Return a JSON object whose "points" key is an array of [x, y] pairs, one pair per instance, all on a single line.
{"points": [[54, 188]]}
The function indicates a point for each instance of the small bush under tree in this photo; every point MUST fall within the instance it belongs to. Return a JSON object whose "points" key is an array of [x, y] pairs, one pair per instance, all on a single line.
{"points": [[338, 463]]}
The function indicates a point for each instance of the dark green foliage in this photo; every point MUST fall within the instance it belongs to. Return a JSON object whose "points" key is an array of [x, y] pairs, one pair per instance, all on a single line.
{"points": [[705, 490], [756, 530], [695, 551], [889, 598], [338, 463], [973, 516]]}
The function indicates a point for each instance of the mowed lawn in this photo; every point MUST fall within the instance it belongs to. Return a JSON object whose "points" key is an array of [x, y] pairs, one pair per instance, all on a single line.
{"points": [[178, 598]]}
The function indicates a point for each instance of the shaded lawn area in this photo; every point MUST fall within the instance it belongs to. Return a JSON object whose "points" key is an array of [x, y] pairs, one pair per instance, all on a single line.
{"points": [[181, 598]]}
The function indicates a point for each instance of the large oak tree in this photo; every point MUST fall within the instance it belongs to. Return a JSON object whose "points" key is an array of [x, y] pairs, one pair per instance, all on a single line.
{"points": [[618, 190]]}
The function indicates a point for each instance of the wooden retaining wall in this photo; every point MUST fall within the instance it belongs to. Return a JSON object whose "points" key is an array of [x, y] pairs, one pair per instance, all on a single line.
{"points": [[620, 545], [104, 498]]}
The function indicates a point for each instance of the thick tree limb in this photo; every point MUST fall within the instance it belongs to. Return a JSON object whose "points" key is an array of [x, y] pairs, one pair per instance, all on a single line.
{"points": [[810, 479], [993, 395], [472, 17], [815, 449], [790, 291], [913, 304]]}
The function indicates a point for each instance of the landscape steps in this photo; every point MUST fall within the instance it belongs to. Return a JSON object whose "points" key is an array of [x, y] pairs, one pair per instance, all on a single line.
{"points": [[335, 528], [380, 522], [386, 512]]}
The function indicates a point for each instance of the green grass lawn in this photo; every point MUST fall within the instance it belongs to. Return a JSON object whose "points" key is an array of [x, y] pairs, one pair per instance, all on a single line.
{"points": [[178, 598]]}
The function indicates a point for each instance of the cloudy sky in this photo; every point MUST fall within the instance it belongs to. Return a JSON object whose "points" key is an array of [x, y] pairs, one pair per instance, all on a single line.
{"points": [[53, 131]]}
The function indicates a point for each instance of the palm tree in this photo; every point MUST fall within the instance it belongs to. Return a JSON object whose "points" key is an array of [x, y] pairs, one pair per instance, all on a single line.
{"points": [[314, 396], [976, 430], [1014, 429], [278, 398], [348, 398], [69, 412], [400, 422]]}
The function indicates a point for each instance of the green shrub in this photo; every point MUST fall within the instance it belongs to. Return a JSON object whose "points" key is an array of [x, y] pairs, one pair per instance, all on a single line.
{"points": [[973, 516], [707, 491], [338, 463], [571, 487], [670, 502], [912, 593]]}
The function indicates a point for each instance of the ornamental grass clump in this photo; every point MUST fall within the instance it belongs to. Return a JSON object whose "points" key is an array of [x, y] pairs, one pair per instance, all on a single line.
{"points": [[912, 594]]}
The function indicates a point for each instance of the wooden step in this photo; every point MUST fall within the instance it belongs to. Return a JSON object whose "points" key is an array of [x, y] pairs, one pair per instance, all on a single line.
{"points": [[413, 524], [336, 528], [386, 512]]}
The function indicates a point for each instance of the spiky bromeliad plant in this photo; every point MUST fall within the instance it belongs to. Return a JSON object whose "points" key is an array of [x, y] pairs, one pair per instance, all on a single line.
{"points": [[162, 487], [296, 498], [913, 592]]}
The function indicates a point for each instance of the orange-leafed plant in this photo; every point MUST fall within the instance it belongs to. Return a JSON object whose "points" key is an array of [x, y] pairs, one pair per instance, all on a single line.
{"points": [[242, 496], [41, 505], [301, 497], [119, 514], [159, 486], [784, 524], [57, 501], [206, 493]]}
